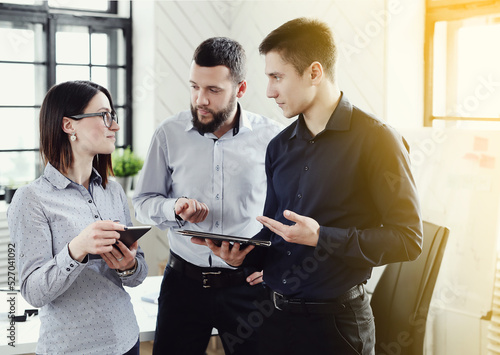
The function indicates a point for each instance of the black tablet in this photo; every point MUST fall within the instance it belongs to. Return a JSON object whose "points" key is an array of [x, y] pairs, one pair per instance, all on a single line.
{"points": [[132, 234], [219, 238]]}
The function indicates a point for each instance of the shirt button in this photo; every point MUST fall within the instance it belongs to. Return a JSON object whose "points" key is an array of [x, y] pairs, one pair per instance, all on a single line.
{"points": [[217, 168], [306, 168], [217, 224], [217, 196], [71, 265], [284, 282], [68, 269], [299, 195], [90, 201], [312, 142], [289, 253], [96, 216]]}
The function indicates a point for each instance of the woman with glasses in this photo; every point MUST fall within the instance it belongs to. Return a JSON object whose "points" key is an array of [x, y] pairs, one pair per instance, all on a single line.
{"points": [[65, 226]]}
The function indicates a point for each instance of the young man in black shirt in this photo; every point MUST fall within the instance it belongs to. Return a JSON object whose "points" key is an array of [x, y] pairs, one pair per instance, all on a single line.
{"points": [[340, 200]]}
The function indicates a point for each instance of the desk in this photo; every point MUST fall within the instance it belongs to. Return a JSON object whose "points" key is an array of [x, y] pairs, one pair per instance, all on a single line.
{"points": [[145, 312], [27, 332]]}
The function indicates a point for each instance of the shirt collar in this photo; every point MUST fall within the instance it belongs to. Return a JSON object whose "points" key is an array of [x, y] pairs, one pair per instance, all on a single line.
{"points": [[340, 120], [59, 181], [242, 123]]}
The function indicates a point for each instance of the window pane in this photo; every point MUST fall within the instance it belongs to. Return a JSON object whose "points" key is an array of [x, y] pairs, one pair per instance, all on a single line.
{"points": [[120, 96], [24, 2], [100, 76], [71, 72], [21, 42], [19, 128], [466, 124], [108, 48], [120, 140], [26, 84], [120, 47], [466, 79], [432, 3], [439, 73], [19, 167], [112, 79], [478, 71], [72, 45], [91, 5], [100, 48]]}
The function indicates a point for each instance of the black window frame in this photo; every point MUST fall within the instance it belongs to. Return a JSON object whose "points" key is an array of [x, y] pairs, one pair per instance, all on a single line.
{"points": [[44, 7], [50, 18]]}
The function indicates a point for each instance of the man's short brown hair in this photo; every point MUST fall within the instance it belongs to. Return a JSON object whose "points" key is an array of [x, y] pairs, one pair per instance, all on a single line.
{"points": [[301, 42]]}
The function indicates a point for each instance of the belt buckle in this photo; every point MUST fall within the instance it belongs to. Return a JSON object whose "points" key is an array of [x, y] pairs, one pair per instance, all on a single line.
{"points": [[274, 300], [206, 275]]}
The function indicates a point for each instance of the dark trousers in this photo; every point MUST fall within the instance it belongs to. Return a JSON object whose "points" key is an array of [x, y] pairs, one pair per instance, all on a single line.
{"points": [[135, 349], [187, 312], [351, 331]]}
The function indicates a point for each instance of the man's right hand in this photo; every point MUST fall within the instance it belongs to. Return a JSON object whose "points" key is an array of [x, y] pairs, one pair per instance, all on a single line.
{"points": [[230, 254], [191, 210]]}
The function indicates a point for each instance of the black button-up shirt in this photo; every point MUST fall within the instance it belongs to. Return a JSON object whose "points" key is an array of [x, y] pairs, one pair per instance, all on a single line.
{"points": [[354, 179]]}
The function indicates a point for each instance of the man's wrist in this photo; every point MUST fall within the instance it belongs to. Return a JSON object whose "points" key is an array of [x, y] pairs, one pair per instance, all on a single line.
{"points": [[178, 218]]}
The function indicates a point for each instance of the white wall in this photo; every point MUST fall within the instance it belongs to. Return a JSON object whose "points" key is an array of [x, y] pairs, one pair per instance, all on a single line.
{"points": [[380, 44], [404, 60], [380, 66], [144, 74], [458, 179]]}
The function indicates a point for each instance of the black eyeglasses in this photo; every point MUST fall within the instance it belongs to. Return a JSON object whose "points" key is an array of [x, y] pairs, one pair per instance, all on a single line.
{"points": [[107, 117]]}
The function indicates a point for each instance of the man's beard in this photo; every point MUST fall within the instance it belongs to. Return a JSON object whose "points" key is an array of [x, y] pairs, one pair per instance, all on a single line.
{"points": [[218, 120]]}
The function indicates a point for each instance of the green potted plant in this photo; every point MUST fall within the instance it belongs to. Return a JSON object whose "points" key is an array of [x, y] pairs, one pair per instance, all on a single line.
{"points": [[126, 164]]}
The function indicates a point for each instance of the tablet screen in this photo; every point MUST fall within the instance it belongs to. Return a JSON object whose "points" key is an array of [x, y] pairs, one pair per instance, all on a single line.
{"points": [[221, 237], [132, 234]]}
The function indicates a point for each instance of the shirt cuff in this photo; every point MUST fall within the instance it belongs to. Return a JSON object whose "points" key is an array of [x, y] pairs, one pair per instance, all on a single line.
{"points": [[330, 240], [66, 263], [168, 209]]}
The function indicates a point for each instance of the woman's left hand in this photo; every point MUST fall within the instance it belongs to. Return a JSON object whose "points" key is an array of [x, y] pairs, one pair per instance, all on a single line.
{"points": [[121, 258]]}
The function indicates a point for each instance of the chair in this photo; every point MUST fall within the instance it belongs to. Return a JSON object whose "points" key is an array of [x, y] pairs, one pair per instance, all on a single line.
{"points": [[401, 298]]}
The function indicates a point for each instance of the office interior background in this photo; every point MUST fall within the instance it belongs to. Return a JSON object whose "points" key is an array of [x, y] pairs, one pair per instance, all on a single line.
{"points": [[430, 68]]}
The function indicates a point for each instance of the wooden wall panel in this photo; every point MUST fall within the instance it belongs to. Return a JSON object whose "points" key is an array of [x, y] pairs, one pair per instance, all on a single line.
{"points": [[181, 25]]}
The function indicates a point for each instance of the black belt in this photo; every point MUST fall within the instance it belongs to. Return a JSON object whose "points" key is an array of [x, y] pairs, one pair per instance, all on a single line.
{"points": [[298, 305], [207, 276]]}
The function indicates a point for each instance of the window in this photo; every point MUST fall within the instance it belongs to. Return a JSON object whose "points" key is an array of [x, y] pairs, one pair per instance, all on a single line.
{"points": [[42, 44], [462, 56]]}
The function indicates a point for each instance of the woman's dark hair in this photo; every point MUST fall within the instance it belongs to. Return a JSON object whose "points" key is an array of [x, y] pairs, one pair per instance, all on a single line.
{"points": [[63, 100], [222, 51]]}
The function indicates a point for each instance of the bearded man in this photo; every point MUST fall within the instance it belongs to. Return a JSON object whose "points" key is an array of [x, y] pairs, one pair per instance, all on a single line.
{"points": [[205, 171]]}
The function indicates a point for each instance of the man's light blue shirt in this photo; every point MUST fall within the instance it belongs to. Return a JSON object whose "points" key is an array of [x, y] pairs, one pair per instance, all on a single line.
{"points": [[227, 174]]}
